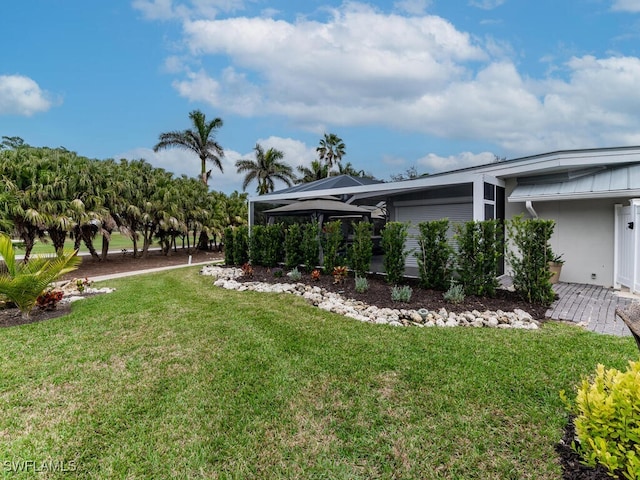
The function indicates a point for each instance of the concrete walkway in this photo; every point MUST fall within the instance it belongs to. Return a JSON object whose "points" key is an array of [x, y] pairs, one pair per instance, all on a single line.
{"points": [[590, 306], [101, 278]]}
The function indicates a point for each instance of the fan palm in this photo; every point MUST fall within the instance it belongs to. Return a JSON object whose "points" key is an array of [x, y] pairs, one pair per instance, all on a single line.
{"points": [[331, 149], [200, 140], [22, 283], [266, 168], [317, 171]]}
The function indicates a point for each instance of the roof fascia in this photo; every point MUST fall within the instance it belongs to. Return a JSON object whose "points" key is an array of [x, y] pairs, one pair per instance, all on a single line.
{"points": [[576, 196]]}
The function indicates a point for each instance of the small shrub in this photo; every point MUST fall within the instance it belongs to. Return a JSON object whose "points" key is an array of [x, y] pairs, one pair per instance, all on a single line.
{"points": [[394, 237], [361, 250], [310, 245], [332, 239], [401, 294], [49, 299], [480, 246], [608, 420], [272, 251], [241, 245], [434, 254], [293, 246], [455, 294], [339, 274], [247, 270], [295, 274], [315, 275], [82, 283], [277, 272], [256, 244], [228, 246], [362, 284]]}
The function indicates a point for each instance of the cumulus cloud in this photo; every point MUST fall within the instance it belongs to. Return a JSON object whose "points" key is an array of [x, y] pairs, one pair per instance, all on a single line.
{"points": [[626, 6], [21, 95], [417, 73], [433, 163]]}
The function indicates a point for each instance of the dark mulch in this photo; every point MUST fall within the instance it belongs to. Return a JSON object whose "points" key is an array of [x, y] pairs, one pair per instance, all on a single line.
{"points": [[379, 294], [11, 316], [572, 469]]}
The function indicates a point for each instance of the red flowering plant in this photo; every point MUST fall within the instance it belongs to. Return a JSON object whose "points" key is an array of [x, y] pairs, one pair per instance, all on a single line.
{"points": [[315, 275], [49, 299]]}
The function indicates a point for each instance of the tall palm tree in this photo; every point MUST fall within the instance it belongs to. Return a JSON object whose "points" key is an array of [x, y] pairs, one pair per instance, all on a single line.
{"points": [[331, 149], [318, 171], [266, 168], [200, 140]]}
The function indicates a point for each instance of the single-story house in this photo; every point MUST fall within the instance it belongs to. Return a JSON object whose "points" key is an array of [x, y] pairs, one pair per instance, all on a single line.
{"points": [[593, 195]]}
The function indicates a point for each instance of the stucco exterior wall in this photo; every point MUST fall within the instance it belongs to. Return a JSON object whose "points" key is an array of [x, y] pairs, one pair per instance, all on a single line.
{"points": [[584, 234]]}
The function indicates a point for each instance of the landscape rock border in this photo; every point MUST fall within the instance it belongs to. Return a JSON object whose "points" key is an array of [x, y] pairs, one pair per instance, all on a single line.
{"points": [[225, 277]]}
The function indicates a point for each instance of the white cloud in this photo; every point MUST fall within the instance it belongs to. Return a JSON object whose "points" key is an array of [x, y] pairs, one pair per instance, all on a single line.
{"points": [[21, 95], [433, 163], [626, 6], [169, 9], [418, 73], [414, 7], [486, 4]]}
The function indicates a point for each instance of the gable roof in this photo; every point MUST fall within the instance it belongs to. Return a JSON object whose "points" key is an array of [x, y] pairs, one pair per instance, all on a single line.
{"points": [[339, 181]]}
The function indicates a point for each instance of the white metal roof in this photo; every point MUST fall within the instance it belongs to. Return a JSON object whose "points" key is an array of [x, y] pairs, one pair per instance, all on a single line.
{"points": [[623, 181]]}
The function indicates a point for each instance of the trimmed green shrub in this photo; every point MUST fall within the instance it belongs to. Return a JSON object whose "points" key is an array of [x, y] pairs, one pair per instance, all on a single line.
{"points": [[228, 246], [529, 259], [607, 421], [293, 246], [479, 252], [272, 251], [434, 254], [394, 237], [256, 244], [361, 250], [310, 245], [241, 245], [332, 240]]}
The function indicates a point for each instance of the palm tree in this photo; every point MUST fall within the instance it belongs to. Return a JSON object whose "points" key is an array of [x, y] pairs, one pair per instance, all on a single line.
{"points": [[318, 171], [200, 140], [266, 168], [331, 149]]}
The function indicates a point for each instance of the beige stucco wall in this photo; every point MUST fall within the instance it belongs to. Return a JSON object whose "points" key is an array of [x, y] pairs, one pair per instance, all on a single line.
{"points": [[584, 234]]}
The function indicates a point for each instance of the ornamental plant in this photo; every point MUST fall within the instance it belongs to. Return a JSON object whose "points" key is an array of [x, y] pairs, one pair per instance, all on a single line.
{"points": [[228, 246], [272, 252], [478, 256], [22, 283], [528, 258], [401, 294], [256, 244], [310, 245], [394, 237], [434, 254], [332, 240], [49, 299], [607, 420], [241, 245], [339, 274], [315, 275], [293, 246], [361, 250], [362, 284]]}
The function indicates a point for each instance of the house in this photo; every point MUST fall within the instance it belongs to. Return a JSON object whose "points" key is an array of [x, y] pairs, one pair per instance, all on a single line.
{"points": [[593, 195]]}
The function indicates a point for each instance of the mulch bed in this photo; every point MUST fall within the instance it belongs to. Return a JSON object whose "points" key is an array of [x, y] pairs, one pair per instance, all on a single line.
{"points": [[379, 294]]}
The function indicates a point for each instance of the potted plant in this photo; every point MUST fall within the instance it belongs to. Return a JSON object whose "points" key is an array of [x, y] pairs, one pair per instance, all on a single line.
{"points": [[555, 266]]}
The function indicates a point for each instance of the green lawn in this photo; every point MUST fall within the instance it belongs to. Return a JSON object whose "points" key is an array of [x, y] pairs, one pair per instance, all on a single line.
{"points": [[170, 377], [118, 242]]}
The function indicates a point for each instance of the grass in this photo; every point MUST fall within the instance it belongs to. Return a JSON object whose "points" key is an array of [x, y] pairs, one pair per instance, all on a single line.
{"points": [[118, 242], [169, 377]]}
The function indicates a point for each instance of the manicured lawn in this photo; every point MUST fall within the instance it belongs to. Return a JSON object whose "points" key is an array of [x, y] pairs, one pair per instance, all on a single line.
{"points": [[170, 377], [118, 242]]}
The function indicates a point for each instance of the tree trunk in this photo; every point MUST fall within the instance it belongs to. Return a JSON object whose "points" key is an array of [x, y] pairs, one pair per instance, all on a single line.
{"points": [[203, 243], [58, 237], [105, 246], [87, 237]]}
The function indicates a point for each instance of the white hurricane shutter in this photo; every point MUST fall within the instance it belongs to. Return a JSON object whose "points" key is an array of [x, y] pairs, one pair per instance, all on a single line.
{"points": [[455, 212]]}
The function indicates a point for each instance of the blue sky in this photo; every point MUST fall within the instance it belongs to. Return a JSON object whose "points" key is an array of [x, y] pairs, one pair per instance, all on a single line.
{"points": [[435, 84]]}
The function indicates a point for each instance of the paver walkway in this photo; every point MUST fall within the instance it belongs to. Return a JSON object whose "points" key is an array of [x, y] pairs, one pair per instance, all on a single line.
{"points": [[590, 306]]}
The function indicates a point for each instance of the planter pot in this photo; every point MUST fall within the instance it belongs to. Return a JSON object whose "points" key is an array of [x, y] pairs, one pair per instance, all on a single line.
{"points": [[555, 269]]}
